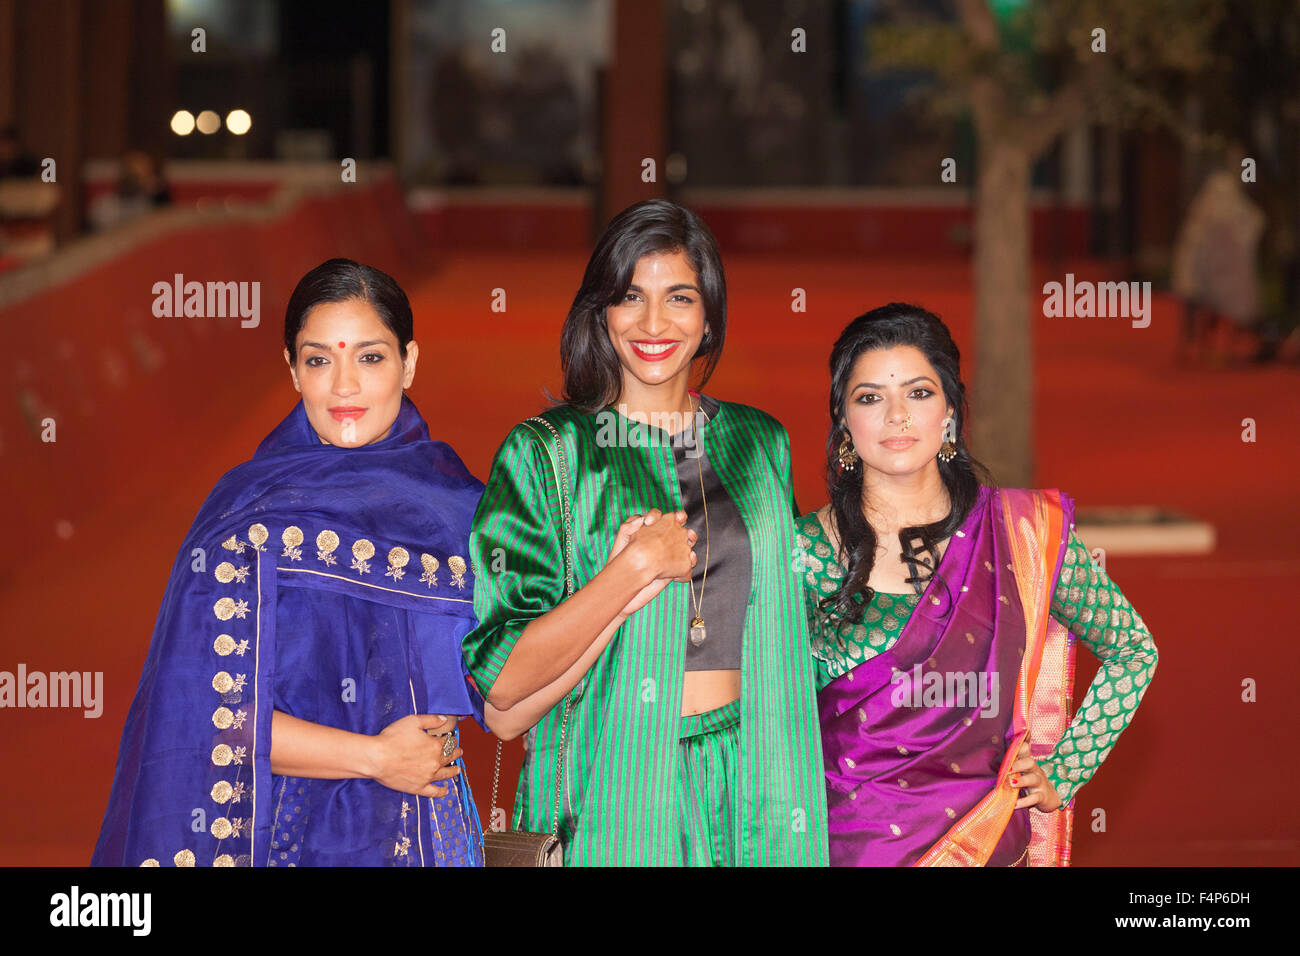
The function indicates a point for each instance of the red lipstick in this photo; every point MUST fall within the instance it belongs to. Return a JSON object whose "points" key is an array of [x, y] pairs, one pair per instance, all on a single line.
{"points": [[657, 353], [347, 413]]}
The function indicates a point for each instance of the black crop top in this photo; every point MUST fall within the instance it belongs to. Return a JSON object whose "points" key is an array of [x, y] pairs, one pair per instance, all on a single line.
{"points": [[725, 599]]}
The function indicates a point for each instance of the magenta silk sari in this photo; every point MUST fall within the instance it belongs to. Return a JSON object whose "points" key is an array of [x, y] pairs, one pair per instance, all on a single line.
{"points": [[919, 740]]}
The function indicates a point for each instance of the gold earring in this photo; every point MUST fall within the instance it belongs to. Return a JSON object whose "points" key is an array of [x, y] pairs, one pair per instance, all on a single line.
{"points": [[948, 450], [848, 457]]}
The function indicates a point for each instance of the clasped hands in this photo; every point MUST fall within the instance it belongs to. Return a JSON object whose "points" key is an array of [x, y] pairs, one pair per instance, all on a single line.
{"points": [[655, 548]]}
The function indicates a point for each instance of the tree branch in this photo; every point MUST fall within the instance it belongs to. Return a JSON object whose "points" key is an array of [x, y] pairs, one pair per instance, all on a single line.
{"points": [[1067, 106]]}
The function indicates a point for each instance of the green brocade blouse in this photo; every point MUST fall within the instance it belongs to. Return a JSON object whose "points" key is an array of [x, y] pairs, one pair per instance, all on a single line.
{"points": [[623, 750], [1085, 600]]}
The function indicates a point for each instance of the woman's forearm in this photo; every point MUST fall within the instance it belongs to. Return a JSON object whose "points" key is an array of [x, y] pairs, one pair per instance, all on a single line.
{"points": [[300, 748], [553, 643], [510, 723]]}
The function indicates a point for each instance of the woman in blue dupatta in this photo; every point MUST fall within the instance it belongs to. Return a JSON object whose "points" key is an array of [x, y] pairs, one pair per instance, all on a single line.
{"points": [[297, 705], [944, 614]]}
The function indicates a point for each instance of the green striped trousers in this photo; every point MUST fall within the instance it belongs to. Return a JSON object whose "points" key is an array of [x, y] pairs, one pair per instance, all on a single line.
{"points": [[706, 786]]}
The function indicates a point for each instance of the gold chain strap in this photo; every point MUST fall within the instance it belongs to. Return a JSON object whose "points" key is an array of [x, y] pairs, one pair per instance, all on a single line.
{"points": [[562, 480]]}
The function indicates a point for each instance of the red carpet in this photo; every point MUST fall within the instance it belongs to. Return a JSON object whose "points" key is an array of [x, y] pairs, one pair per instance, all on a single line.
{"points": [[1193, 780]]}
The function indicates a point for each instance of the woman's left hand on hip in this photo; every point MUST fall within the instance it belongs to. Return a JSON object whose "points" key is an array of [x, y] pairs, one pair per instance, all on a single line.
{"points": [[1027, 776]]}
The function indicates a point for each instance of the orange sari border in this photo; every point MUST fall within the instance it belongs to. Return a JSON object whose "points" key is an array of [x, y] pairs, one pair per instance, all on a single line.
{"points": [[1034, 521]]}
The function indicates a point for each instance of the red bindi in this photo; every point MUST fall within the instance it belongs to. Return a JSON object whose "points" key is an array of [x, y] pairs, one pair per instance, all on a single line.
{"points": [[343, 345]]}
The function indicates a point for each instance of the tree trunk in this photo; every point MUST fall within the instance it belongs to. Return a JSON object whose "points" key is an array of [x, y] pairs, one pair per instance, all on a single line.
{"points": [[1002, 391]]}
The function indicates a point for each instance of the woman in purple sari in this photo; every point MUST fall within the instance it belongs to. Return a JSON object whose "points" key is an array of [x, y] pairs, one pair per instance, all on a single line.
{"points": [[944, 614]]}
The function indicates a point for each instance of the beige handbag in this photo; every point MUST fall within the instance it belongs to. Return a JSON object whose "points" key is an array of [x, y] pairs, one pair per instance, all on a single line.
{"points": [[519, 847]]}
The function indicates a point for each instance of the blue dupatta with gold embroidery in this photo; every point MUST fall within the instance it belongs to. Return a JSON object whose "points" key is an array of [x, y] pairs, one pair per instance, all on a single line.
{"points": [[328, 583]]}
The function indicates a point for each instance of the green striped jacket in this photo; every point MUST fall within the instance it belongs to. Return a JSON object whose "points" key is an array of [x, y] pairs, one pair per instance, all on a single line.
{"points": [[619, 805]]}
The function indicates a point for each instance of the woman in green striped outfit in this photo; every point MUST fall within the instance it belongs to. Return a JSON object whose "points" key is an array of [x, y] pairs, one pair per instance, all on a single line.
{"points": [[692, 734]]}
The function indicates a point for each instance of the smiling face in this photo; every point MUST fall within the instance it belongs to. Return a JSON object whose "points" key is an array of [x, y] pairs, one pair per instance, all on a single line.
{"points": [[884, 387], [350, 372], [658, 325]]}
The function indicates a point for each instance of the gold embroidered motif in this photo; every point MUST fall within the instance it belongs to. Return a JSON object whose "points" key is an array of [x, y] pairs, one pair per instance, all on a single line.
{"points": [[224, 644], [950, 811], [221, 791], [398, 558], [225, 572], [893, 828], [239, 754], [402, 846], [406, 808], [292, 537], [237, 826], [222, 718], [430, 565], [241, 574], [258, 534], [150, 862], [184, 858], [243, 646], [362, 552], [238, 721], [221, 755], [238, 793], [326, 544], [221, 683], [220, 828], [457, 566], [224, 860], [234, 544], [239, 683], [226, 608]]}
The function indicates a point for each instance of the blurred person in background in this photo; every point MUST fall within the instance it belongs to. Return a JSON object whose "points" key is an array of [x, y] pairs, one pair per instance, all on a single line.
{"points": [[1215, 264], [140, 189]]}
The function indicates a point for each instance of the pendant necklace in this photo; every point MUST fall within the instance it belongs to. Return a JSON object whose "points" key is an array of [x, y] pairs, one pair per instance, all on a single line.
{"points": [[698, 630]]}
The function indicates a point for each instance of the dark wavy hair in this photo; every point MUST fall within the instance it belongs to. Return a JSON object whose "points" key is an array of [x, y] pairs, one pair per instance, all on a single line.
{"points": [[592, 373], [340, 280], [888, 326]]}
